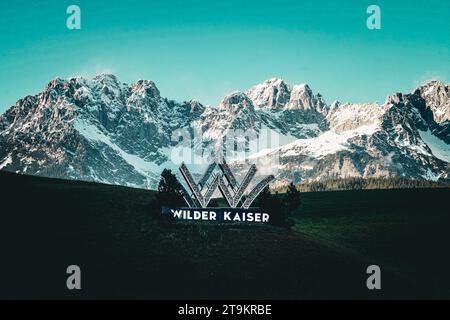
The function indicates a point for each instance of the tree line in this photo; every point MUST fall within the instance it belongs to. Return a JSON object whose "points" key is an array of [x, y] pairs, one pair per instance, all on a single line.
{"points": [[369, 183]]}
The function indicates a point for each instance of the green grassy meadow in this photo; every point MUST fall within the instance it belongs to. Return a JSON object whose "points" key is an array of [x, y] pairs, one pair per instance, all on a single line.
{"points": [[116, 236]]}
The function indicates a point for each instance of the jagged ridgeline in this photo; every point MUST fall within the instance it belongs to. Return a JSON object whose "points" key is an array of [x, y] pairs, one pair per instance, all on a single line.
{"points": [[107, 131]]}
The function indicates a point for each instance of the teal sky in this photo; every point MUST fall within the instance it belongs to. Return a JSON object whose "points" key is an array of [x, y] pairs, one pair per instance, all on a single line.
{"points": [[206, 49]]}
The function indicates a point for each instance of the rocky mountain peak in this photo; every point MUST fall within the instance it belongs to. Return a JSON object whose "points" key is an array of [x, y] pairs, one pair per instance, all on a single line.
{"points": [[302, 97], [145, 88], [273, 93], [437, 97], [56, 82], [395, 98], [236, 102], [105, 78], [334, 106], [196, 106], [276, 94]]}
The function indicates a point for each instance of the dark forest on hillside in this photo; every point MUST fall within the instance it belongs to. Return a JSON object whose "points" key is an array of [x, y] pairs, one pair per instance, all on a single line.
{"points": [[369, 183]]}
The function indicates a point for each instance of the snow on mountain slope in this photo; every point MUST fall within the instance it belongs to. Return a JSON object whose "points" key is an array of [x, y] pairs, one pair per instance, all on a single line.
{"points": [[351, 116], [318, 147], [329, 142], [94, 135], [438, 148], [103, 130]]}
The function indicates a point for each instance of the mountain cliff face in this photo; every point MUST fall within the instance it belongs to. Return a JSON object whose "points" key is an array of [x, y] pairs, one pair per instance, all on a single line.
{"points": [[103, 130]]}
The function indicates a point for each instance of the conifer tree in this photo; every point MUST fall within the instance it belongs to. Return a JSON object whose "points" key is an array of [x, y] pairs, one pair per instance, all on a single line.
{"points": [[169, 190], [292, 198]]}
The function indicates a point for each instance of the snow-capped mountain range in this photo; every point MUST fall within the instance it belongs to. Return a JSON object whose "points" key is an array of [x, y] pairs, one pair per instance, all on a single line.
{"points": [[106, 131]]}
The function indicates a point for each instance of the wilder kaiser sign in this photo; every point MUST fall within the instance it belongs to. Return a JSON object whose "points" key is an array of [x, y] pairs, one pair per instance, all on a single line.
{"points": [[217, 214], [199, 196]]}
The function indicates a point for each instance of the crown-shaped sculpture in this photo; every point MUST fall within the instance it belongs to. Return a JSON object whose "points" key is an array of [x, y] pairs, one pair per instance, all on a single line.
{"points": [[231, 190]]}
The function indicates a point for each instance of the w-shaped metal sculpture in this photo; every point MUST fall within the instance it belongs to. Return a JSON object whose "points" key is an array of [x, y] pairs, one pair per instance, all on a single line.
{"points": [[227, 184]]}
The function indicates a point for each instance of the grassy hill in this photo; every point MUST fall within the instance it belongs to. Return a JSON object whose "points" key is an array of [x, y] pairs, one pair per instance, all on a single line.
{"points": [[114, 234]]}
